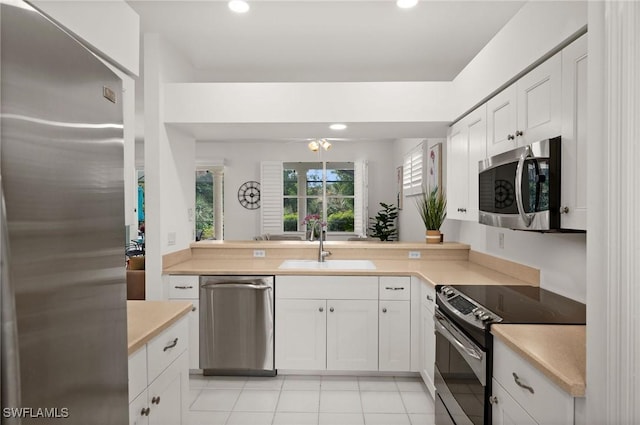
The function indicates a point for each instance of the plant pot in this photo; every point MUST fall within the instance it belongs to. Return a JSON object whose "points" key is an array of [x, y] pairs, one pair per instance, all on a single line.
{"points": [[432, 236]]}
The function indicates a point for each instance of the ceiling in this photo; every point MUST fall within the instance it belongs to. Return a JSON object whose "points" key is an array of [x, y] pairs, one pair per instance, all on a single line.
{"points": [[326, 41]]}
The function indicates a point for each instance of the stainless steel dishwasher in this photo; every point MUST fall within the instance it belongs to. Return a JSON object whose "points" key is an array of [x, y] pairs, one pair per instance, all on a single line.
{"points": [[236, 325]]}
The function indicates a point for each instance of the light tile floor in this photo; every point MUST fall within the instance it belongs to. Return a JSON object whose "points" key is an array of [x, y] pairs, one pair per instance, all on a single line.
{"points": [[309, 400]]}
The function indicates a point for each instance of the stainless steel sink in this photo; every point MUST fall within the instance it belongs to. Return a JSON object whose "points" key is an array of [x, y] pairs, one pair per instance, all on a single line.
{"points": [[328, 265]]}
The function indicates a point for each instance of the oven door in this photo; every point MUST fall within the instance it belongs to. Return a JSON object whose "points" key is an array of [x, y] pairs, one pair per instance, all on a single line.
{"points": [[460, 376]]}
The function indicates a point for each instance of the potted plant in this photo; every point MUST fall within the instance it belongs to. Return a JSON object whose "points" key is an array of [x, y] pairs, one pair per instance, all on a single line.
{"points": [[383, 225], [432, 207]]}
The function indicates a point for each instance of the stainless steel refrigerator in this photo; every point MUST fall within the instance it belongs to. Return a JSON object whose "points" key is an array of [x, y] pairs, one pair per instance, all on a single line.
{"points": [[64, 324]]}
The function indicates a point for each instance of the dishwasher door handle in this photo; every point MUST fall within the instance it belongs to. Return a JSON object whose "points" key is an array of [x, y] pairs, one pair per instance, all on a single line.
{"points": [[255, 286]]}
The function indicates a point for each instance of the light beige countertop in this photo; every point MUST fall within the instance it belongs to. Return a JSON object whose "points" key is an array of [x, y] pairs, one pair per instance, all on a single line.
{"points": [[558, 351], [434, 271], [146, 319]]}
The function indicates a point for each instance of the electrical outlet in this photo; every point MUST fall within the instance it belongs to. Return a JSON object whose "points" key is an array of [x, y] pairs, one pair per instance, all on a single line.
{"points": [[501, 240], [171, 238], [414, 254], [259, 253]]}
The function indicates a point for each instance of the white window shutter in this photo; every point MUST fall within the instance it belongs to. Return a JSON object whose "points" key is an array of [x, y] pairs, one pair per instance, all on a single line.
{"points": [[361, 201], [412, 170], [271, 192]]}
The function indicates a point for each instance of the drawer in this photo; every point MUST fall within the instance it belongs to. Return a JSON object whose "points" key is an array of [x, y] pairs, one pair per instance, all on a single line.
{"points": [[395, 288], [166, 347], [183, 287], [137, 372], [506, 363], [327, 287], [428, 295]]}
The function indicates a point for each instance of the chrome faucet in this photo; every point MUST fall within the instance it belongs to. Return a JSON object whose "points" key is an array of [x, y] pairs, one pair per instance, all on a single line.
{"points": [[321, 252]]}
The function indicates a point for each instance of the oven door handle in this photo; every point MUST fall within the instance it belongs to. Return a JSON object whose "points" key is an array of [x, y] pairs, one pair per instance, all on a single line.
{"points": [[527, 218], [446, 332]]}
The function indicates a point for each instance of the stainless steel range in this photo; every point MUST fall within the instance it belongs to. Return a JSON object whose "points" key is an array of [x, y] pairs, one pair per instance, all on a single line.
{"points": [[463, 318]]}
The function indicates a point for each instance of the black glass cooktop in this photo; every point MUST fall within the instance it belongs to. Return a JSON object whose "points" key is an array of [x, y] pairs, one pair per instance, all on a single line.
{"points": [[526, 304]]}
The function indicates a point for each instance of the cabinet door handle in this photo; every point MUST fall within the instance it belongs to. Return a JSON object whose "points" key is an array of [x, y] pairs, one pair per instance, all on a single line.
{"points": [[564, 210], [155, 400], [384, 310], [331, 309], [183, 287], [397, 288], [193, 308], [321, 309], [520, 384], [519, 133], [493, 400], [511, 137], [145, 411], [171, 345], [429, 298]]}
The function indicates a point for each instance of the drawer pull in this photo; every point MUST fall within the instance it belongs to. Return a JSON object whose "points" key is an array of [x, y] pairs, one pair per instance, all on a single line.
{"points": [[155, 400], [193, 308], [183, 287], [397, 288], [145, 411], [520, 384], [171, 345], [429, 298]]}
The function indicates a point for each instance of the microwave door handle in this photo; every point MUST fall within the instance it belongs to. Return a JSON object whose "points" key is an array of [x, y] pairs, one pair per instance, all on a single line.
{"points": [[525, 217]]}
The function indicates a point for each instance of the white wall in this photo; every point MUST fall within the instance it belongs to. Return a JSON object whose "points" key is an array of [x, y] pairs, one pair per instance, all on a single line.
{"points": [[534, 31], [308, 102], [242, 163], [409, 222], [111, 27], [169, 163]]}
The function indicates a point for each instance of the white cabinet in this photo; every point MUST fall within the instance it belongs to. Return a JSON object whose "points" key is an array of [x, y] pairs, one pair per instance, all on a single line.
{"points": [[466, 147], [159, 379], [186, 288], [506, 411], [394, 316], [352, 335], [395, 336], [301, 334], [502, 121], [527, 388], [353, 323], [574, 135], [428, 337], [527, 111]]}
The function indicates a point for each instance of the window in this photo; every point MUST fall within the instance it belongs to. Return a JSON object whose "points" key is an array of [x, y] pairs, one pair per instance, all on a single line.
{"points": [[326, 189], [412, 171], [208, 209], [292, 190]]}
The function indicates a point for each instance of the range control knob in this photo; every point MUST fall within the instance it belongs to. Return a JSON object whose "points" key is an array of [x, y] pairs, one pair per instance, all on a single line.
{"points": [[478, 313], [484, 317]]}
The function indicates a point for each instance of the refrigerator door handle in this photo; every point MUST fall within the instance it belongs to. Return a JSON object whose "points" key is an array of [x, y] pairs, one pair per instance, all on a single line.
{"points": [[9, 344]]}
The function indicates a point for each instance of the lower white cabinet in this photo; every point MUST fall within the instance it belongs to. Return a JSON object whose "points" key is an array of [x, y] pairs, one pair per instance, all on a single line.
{"points": [[159, 379], [427, 336], [506, 411], [301, 334], [352, 335], [523, 395], [185, 288], [394, 350]]}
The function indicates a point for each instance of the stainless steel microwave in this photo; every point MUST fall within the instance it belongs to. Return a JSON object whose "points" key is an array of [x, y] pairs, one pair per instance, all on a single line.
{"points": [[520, 188]]}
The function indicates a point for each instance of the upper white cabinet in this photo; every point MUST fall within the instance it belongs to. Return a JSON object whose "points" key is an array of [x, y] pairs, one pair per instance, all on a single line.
{"points": [[574, 135], [527, 111], [502, 121], [466, 147]]}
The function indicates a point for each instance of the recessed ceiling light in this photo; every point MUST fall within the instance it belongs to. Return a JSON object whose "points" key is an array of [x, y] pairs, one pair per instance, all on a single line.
{"points": [[338, 126], [239, 6], [406, 4]]}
